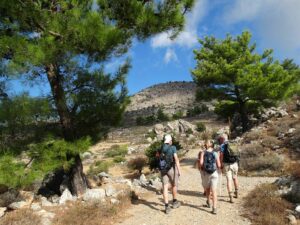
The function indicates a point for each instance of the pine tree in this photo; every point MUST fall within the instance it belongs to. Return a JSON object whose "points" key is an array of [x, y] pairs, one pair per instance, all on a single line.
{"points": [[48, 38], [230, 70]]}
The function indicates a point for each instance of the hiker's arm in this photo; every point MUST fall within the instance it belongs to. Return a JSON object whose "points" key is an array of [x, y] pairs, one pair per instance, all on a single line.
{"points": [[221, 159], [177, 163], [201, 160], [218, 162]]}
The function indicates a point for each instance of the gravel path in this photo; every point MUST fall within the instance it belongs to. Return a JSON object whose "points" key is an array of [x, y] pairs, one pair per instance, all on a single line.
{"points": [[149, 210]]}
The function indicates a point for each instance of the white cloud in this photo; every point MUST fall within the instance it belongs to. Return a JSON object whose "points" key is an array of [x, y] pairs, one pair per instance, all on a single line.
{"points": [[188, 37], [170, 56], [277, 21]]}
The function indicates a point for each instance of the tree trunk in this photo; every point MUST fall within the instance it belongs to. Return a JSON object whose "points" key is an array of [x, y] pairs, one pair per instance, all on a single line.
{"points": [[77, 178], [244, 116]]}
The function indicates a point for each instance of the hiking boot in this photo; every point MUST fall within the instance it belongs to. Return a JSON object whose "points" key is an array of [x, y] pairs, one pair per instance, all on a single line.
{"points": [[230, 199], [236, 194], [176, 204], [214, 211], [207, 204], [167, 209]]}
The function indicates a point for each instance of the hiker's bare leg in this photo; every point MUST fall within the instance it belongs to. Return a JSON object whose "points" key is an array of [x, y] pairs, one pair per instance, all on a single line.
{"points": [[214, 198], [228, 184], [165, 193], [174, 191], [235, 182], [207, 193]]}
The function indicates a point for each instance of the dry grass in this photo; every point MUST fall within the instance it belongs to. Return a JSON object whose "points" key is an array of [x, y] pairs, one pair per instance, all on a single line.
{"points": [[20, 217], [293, 168], [255, 158], [270, 142], [252, 136], [138, 163], [264, 207], [92, 213]]}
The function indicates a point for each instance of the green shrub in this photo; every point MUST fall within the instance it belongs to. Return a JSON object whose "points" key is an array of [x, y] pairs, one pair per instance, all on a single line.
{"points": [[119, 159], [189, 131], [140, 121], [151, 134], [177, 115], [196, 110], [46, 156], [200, 127], [137, 163], [117, 150], [100, 166], [12, 173], [161, 116]]}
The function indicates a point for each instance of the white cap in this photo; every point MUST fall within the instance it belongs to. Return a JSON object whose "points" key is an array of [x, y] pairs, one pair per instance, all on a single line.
{"points": [[168, 139]]}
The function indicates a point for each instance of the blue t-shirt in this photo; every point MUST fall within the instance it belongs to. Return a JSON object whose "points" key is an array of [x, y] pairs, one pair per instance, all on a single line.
{"points": [[169, 149]]}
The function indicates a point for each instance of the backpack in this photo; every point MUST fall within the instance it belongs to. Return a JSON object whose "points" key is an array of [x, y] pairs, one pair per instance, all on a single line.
{"points": [[209, 162], [231, 153], [165, 160]]}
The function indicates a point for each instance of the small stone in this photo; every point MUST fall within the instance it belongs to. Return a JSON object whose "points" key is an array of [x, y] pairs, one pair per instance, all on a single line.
{"points": [[103, 174], [86, 155], [114, 201], [291, 130], [297, 209], [2, 211], [292, 220], [66, 196]]}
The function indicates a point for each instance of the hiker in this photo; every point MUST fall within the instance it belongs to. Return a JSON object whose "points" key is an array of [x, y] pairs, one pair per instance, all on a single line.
{"points": [[170, 172], [209, 163], [229, 164]]}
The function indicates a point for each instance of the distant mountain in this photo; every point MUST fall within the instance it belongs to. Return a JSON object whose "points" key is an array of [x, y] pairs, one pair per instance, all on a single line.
{"points": [[172, 96]]}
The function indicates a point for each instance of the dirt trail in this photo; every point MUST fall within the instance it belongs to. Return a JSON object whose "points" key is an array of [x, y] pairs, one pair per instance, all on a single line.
{"points": [[149, 210]]}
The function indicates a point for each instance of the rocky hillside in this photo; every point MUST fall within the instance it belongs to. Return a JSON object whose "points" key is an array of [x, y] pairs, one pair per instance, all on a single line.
{"points": [[172, 96]]}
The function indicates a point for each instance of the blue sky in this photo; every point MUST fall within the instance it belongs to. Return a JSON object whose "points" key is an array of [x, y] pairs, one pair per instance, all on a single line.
{"points": [[273, 24]]}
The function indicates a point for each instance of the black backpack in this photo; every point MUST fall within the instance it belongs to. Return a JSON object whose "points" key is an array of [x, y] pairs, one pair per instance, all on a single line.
{"points": [[209, 162], [231, 153], [165, 160]]}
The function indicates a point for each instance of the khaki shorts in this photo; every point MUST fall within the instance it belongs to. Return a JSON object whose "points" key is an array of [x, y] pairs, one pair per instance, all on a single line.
{"points": [[231, 170], [170, 176], [210, 180]]}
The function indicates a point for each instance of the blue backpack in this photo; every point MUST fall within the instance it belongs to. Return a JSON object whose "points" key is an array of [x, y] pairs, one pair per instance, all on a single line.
{"points": [[209, 164], [165, 160]]}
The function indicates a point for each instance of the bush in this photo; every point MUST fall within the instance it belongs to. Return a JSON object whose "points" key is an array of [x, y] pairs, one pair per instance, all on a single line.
{"points": [[119, 159], [143, 121], [252, 136], [264, 206], [200, 127], [255, 158], [161, 116], [100, 166], [189, 131], [270, 142], [117, 150], [137, 163], [151, 134], [178, 115], [196, 110], [140, 121], [46, 156]]}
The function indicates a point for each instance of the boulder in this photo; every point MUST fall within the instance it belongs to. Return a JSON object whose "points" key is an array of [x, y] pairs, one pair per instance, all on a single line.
{"points": [[110, 191], [9, 197], [51, 183], [92, 195], [297, 209], [143, 179], [103, 174], [66, 196], [45, 202], [35, 206], [3, 188], [18, 205], [27, 196], [2, 211], [86, 155]]}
